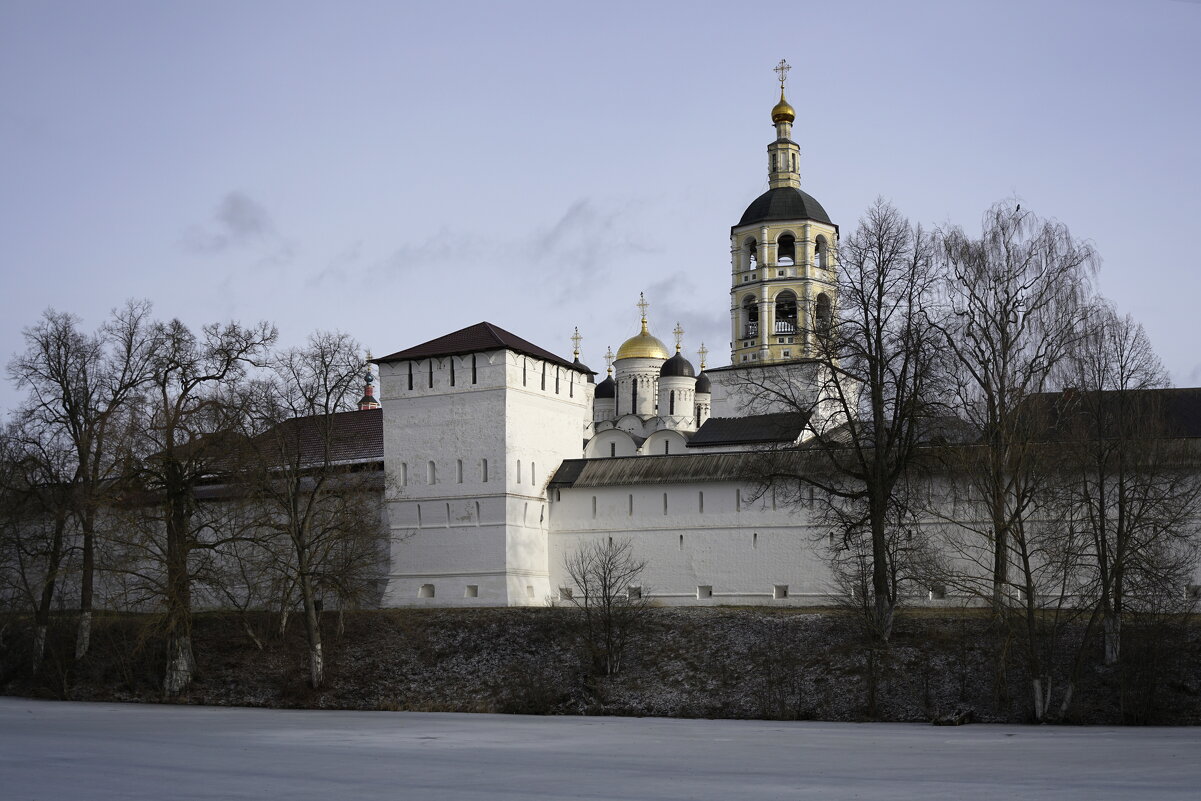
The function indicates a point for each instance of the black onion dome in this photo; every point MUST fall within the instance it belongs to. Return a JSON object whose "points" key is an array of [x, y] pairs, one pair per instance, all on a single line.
{"points": [[677, 366], [784, 203], [703, 387], [579, 365], [606, 388]]}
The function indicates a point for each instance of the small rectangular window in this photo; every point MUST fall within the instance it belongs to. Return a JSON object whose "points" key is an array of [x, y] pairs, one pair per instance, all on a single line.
{"points": [[633, 593], [593, 506], [630, 513], [484, 470], [665, 503], [737, 500], [704, 591], [426, 591], [404, 474], [612, 448], [700, 502], [472, 591], [779, 591], [459, 470]]}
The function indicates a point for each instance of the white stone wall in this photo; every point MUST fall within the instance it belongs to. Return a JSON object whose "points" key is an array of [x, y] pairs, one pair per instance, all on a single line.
{"points": [[743, 550]]}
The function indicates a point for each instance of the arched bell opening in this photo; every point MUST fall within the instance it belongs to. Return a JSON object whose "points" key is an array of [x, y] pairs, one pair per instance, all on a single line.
{"points": [[750, 254], [786, 250], [750, 317], [821, 253], [786, 313], [823, 314]]}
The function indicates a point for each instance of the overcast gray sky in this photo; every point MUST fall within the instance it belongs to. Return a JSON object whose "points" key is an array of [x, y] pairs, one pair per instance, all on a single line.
{"points": [[398, 171]]}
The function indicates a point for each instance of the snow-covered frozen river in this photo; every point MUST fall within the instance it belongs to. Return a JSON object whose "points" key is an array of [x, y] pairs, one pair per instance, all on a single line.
{"points": [[55, 750]]}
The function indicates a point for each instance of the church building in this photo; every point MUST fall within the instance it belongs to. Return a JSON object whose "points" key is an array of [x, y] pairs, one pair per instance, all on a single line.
{"points": [[502, 458]]}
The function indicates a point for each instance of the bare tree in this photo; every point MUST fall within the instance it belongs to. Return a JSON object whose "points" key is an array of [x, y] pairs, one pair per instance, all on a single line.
{"points": [[1123, 487], [610, 598], [187, 426], [1017, 297], [78, 386], [324, 505], [877, 374], [35, 517]]}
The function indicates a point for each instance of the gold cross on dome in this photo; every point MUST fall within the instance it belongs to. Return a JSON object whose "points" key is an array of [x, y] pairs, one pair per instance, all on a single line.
{"points": [[642, 305], [782, 69], [679, 332], [703, 352], [575, 340], [609, 359]]}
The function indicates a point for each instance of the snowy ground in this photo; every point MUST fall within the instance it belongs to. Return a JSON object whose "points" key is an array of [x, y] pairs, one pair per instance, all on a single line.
{"points": [[57, 750]]}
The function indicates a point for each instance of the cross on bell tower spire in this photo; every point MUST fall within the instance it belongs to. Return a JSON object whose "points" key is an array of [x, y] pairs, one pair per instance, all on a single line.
{"points": [[782, 69], [679, 334]]}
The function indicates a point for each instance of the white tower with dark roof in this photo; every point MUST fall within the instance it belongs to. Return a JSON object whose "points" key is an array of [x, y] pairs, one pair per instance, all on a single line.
{"points": [[475, 423]]}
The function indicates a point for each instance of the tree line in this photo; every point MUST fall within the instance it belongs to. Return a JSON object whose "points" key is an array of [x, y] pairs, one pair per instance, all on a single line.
{"points": [[988, 425], [149, 463]]}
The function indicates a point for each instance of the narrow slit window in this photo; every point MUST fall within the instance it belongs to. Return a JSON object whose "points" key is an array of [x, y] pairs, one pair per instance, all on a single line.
{"points": [[700, 502], [474, 374], [459, 470], [665, 503], [404, 474], [544, 375], [593, 506], [612, 448], [452, 371], [431, 473], [524, 370], [410, 375], [630, 512], [484, 470], [431, 374], [556, 380]]}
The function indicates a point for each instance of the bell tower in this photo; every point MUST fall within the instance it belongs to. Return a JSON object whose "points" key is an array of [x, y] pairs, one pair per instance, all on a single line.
{"points": [[782, 255]]}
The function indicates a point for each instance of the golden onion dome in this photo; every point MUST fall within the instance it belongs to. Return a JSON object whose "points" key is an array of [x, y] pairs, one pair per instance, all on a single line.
{"points": [[782, 111], [642, 346]]}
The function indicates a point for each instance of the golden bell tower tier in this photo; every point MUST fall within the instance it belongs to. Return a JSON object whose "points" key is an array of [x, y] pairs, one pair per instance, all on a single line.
{"points": [[782, 257]]}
